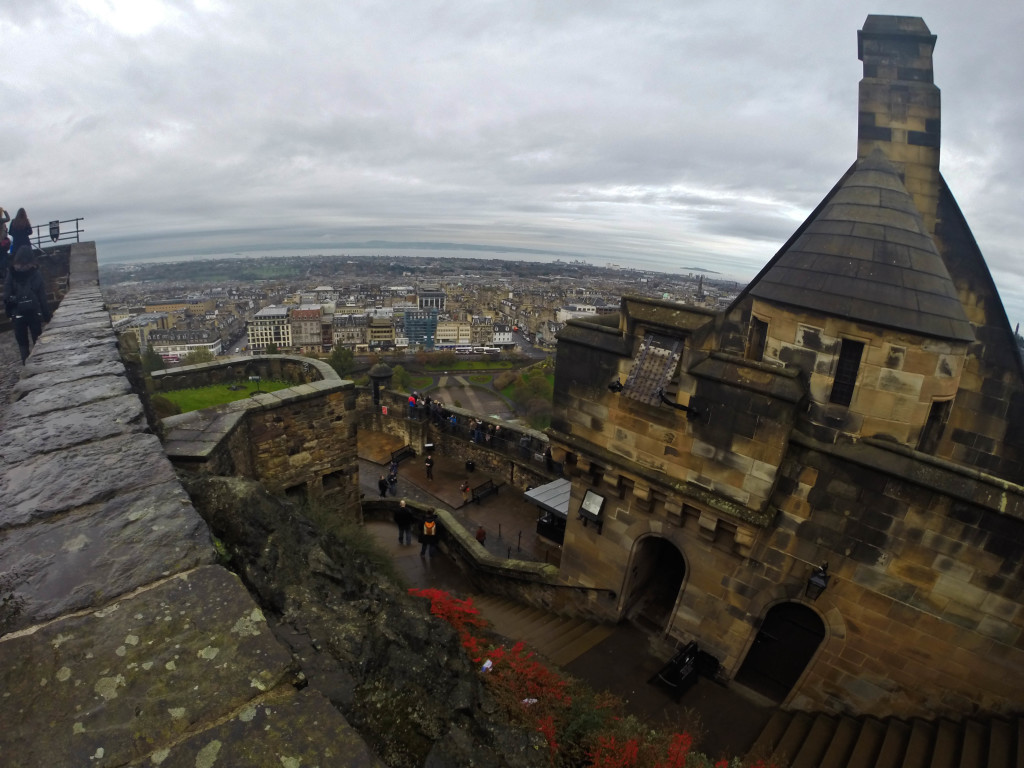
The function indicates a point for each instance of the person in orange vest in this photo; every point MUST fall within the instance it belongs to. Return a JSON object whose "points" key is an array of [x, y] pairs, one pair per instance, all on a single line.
{"points": [[428, 535]]}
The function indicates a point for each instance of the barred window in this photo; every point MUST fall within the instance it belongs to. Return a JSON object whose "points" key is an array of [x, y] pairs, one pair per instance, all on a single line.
{"points": [[846, 371], [653, 368]]}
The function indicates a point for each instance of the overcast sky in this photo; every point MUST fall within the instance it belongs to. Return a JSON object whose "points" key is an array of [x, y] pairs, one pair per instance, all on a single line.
{"points": [[665, 134]]}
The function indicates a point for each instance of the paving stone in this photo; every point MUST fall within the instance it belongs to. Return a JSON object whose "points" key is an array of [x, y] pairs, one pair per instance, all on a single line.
{"points": [[57, 482], [110, 687], [38, 377], [60, 396], [26, 435], [298, 729], [98, 552]]}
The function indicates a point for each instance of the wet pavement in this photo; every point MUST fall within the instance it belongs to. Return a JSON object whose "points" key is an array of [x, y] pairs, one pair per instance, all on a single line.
{"points": [[722, 721]]}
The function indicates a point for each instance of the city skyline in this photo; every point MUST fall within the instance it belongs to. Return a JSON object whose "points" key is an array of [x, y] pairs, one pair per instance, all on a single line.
{"points": [[660, 137]]}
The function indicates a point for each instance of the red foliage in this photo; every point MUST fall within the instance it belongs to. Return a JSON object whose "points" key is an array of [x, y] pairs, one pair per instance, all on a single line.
{"points": [[534, 694]]}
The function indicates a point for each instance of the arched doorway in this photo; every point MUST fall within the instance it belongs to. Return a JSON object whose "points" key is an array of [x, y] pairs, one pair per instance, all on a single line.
{"points": [[655, 580], [789, 636]]}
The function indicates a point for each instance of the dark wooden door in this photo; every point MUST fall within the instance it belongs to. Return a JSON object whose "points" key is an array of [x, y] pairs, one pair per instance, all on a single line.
{"points": [[786, 642]]}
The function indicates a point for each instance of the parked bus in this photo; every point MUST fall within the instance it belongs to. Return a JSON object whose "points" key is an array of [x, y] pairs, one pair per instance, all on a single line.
{"points": [[463, 350], [492, 350]]}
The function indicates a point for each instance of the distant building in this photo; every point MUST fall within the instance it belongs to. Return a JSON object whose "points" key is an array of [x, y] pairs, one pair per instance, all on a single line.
{"points": [[431, 297], [420, 327], [142, 325], [270, 326], [502, 336], [307, 335], [173, 345], [351, 331]]}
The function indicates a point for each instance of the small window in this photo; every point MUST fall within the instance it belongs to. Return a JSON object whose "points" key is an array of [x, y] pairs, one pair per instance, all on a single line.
{"points": [[938, 415], [846, 372], [757, 339]]}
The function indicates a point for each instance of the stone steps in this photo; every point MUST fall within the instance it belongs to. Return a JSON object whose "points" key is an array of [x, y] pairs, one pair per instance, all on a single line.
{"points": [[558, 639], [806, 740]]}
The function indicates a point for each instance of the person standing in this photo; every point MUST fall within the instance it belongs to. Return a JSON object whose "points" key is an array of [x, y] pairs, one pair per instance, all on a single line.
{"points": [[393, 478], [481, 536], [403, 519], [21, 232], [25, 299], [428, 535], [429, 464], [465, 488], [382, 486], [5, 241]]}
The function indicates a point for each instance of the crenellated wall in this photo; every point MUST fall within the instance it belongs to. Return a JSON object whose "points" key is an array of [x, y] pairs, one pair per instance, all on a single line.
{"points": [[122, 641]]}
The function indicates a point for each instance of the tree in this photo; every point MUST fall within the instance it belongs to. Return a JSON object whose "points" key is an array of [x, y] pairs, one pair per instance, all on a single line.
{"points": [[401, 379], [151, 361], [342, 361], [271, 349], [197, 355]]}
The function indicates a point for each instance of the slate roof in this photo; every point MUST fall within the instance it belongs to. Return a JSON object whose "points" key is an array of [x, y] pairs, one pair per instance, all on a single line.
{"points": [[865, 254]]}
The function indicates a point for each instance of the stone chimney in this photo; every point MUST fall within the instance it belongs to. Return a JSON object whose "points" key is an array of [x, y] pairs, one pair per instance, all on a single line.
{"points": [[899, 104]]}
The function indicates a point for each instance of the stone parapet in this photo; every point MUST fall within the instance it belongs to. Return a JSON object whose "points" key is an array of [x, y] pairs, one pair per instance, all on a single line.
{"points": [[121, 639]]}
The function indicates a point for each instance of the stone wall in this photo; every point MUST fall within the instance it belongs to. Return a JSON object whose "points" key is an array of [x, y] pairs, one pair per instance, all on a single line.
{"points": [[300, 439], [927, 579], [531, 583], [121, 639], [516, 454]]}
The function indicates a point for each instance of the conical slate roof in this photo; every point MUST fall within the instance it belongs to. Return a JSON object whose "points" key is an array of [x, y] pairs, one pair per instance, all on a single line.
{"points": [[866, 255]]}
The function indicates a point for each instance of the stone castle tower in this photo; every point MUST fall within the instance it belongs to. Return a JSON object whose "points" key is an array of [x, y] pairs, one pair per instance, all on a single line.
{"points": [[854, 408]]}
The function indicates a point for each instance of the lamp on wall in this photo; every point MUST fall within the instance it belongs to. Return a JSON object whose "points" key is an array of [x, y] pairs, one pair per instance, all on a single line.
{"points": [[817, 582], [689, 410]]}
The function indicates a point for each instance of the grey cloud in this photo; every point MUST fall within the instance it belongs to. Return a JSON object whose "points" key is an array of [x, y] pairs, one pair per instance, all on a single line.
{"points": [[659, 133]]}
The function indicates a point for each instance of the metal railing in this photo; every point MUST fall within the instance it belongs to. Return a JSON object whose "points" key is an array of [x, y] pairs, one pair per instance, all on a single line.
{"points": [[54, 231]]}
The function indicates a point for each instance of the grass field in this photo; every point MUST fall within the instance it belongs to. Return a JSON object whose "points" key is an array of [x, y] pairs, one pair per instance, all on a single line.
{"points": [[218, 394]]}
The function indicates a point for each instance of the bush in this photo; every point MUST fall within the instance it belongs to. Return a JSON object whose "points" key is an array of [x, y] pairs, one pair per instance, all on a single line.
{"points": [[164, 407], [582, 728], [505, 379]]}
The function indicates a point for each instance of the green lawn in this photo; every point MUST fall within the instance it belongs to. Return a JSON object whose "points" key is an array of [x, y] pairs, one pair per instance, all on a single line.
{"points": [[218, 394]]}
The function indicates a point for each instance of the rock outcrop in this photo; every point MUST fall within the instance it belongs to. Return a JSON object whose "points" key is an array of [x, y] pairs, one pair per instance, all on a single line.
{"points": [[398, 675]]}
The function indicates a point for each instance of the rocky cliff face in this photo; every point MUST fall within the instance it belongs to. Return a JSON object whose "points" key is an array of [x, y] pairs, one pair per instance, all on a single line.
{"points": [[399, 675]]}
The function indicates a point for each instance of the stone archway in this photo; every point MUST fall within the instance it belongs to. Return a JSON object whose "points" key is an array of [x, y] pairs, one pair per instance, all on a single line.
{"points": [[790, 635], [655, 578]]}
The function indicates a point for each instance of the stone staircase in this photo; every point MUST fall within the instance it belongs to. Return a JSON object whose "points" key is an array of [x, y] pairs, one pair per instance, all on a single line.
{"points": [[805, 740], [557, 639]]}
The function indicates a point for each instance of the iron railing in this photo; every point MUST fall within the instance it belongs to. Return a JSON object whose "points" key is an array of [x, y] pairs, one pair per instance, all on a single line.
{"points": [[56, 233]]}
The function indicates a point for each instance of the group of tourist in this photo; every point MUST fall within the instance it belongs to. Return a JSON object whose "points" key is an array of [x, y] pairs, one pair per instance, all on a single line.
{"points": [[24, 288]]}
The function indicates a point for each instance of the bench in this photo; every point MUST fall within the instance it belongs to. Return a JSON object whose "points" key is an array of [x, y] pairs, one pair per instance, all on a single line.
{"points": [[405, 452], [482, 491]]}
